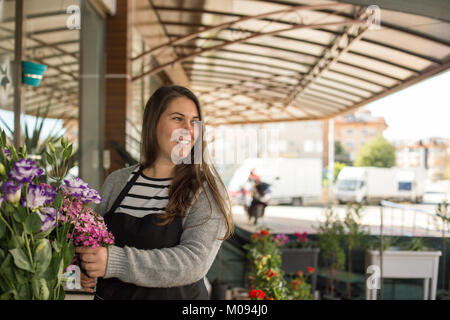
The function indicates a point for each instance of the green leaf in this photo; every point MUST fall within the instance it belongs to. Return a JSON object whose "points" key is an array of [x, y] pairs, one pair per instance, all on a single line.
{"points": [[21, 260], [33, 223], [35, 287], [61, 294], [42, 255], [68, 254], [10, 295], [2, 229], [6, 268], [3, 138], [67, 152], [15, 242], [13, 154], [44, 234], [20, 276], [49, 158], [40, 289], [20, 214], [58, 202], [56, 246]]}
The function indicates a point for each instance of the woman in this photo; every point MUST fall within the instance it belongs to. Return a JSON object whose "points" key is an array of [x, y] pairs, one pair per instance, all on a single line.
{"points": [[169, 214]]}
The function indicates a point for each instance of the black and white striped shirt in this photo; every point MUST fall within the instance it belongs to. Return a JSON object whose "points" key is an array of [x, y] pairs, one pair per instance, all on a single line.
{"points": [[146, 196]]}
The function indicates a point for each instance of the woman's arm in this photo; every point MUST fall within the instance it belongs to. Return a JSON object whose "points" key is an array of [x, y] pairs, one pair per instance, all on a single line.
{"points": [[183, 264]]}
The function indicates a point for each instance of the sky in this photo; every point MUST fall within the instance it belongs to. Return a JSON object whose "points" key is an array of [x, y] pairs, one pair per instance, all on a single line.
{"points": [[417, 112]]}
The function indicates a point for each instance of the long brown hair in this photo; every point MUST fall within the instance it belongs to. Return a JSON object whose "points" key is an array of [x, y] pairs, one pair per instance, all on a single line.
{"points": [[188, 177]]}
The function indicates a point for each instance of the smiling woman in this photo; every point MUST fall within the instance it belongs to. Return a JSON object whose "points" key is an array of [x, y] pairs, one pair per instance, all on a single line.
{"points": [[168, 215]]}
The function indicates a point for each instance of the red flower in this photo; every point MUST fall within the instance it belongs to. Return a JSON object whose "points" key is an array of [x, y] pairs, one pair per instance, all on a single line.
{"points": [[305, 237], [256, 294], [264, 232], [310, 269], [269, 273], [299, 273], [299, 236]]}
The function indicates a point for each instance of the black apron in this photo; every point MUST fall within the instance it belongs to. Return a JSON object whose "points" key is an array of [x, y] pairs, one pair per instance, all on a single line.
{"points": [[144, 233]]}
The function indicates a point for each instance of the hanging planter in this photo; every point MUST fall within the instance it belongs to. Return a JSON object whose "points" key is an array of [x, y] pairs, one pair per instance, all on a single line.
{"points": [[33, 73]]}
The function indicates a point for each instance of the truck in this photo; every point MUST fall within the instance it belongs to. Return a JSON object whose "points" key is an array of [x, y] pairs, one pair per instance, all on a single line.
{"points": [[292, 180], [372, 184]]}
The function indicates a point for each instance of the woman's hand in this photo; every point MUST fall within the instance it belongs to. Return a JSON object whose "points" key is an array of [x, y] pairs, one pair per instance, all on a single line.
{"points": [[93, 260], [87, 283]]}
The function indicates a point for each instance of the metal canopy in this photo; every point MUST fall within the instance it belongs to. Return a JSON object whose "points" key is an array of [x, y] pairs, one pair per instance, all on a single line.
{"points": [[48, 41], [269, 61]]}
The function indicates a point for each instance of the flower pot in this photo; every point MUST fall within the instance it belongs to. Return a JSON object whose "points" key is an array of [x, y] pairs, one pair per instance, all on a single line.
{"points": [[295, 259], [401, 264], [32, 73]]}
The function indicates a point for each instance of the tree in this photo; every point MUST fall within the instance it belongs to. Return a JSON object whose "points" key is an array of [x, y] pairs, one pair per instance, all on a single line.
{"points": [[378, 152], [340, 154]]}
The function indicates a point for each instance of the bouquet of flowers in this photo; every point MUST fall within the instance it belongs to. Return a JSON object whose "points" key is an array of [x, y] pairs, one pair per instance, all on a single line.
{"points": [[40, 224]]}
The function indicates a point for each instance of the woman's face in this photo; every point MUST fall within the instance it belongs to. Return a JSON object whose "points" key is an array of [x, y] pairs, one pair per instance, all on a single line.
{"points": [[177, 129]]}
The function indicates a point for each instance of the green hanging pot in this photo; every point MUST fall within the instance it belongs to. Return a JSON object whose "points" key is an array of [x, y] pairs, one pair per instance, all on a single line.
{"points": [[33, 73]]}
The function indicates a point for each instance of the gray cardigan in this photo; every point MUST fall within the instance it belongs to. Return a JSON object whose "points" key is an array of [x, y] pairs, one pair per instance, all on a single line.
{"points": [[183, 264]]}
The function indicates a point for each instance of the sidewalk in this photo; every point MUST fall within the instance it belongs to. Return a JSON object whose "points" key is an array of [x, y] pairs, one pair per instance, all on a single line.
{"points": [[290, 219]]}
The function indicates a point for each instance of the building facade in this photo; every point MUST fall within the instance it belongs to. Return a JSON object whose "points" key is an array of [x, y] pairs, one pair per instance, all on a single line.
{"points": [[355, 129]]}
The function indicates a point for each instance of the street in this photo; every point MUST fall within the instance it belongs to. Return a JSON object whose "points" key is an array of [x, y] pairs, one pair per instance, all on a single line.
{"points": [[413, 219]]}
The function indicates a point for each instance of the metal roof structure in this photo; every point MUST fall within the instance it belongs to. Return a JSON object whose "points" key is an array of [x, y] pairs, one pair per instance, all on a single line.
{"points": [[47, 40], [269, 61]]}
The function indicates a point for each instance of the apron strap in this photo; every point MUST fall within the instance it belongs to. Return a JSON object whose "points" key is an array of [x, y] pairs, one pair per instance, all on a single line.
{"points": [[125, 190]]}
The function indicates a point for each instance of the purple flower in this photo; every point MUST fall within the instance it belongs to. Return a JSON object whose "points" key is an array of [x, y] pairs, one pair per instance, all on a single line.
{"points": [[48, 217], [38, 195], [25, 170], [282, 239], [91, 195], [12, 191], [76, 187]]}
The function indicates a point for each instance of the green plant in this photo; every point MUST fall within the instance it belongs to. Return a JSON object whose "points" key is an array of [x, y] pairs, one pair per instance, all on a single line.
{"points": [[299, 286], [355, 238], [266, 279], [378, 152], [34, 246], [265, 262], [330, 234], [36, 144]]}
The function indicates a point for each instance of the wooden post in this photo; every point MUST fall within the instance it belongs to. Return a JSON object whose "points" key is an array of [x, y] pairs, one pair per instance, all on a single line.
{"points": [[118, 86]]}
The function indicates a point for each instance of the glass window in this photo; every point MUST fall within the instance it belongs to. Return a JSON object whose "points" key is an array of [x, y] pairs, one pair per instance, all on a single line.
{"points": [[404, 186]]}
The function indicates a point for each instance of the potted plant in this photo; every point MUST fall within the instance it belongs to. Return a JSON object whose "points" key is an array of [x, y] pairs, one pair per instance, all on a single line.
{"points": [[266, 279], [330, 235], [355, 238], [410, 259], [298, 253], [300, 286]]}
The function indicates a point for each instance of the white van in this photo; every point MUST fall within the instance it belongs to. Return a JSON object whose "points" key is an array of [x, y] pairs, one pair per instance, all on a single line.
{"points": [[292, 180], [368, 184]]}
